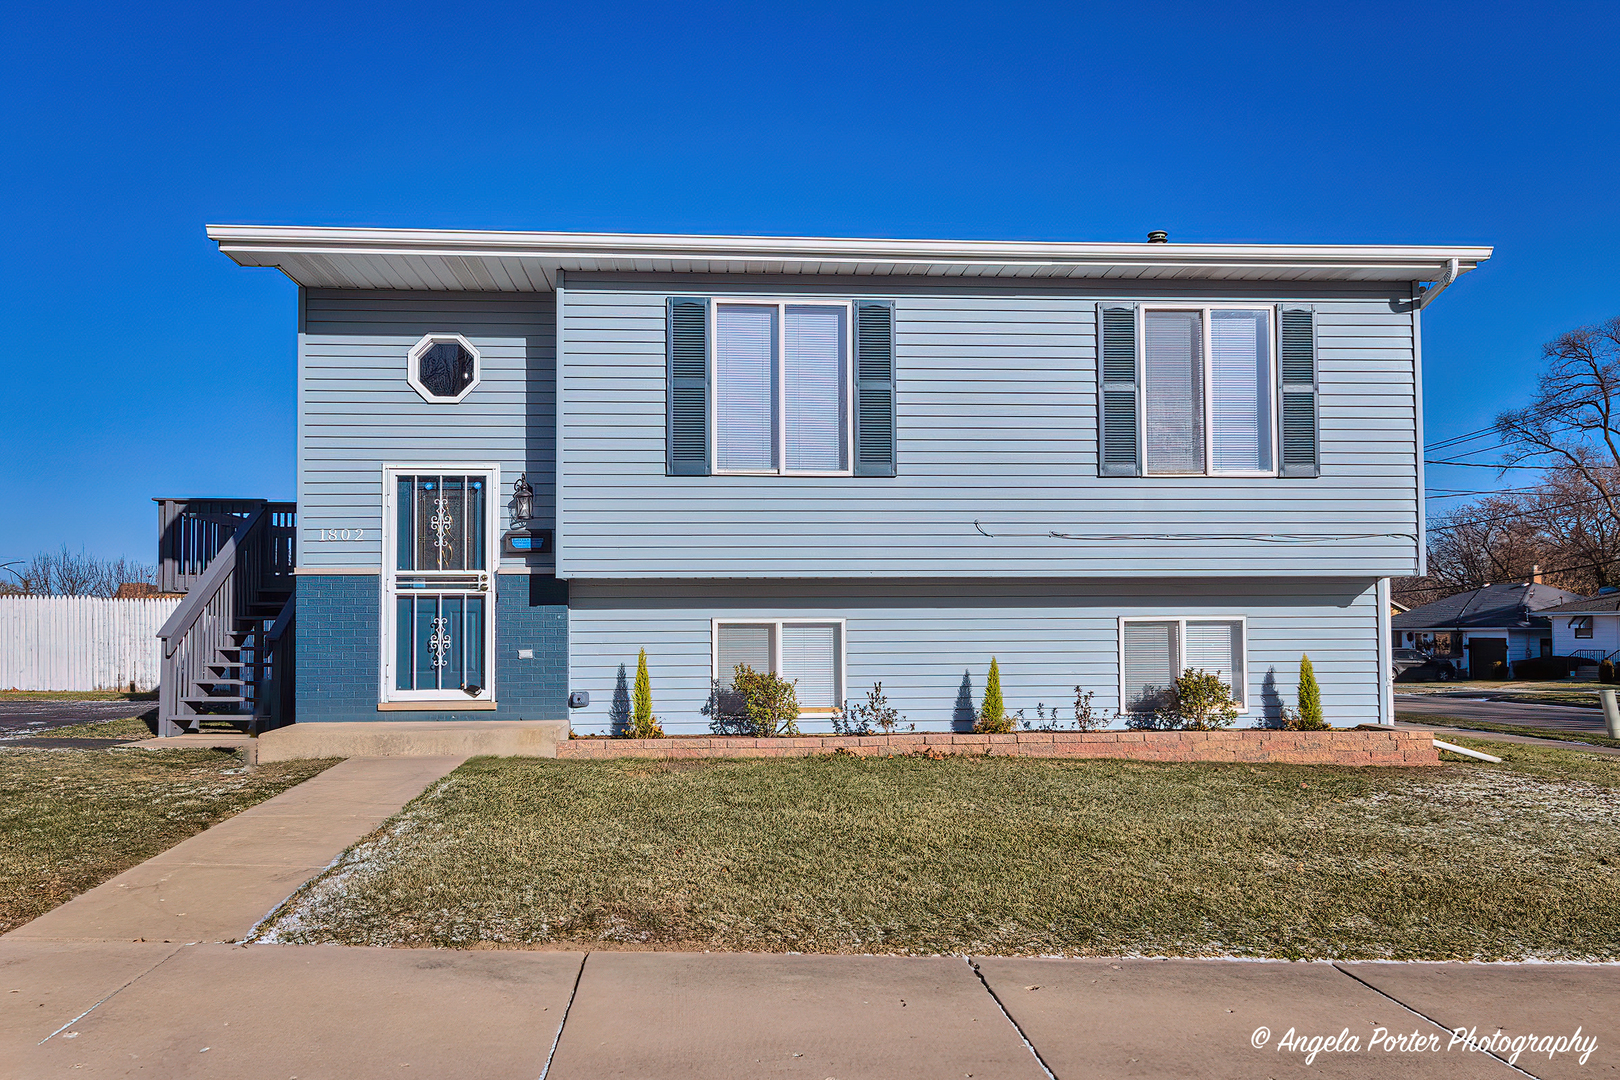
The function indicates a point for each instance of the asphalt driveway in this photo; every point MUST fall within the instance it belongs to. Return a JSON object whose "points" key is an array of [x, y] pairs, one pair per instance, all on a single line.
{"points": [[1553, 717], [23, 717]]}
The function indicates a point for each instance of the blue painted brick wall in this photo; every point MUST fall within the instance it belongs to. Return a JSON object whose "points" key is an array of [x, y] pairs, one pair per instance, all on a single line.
{"points": [[338, 639]]}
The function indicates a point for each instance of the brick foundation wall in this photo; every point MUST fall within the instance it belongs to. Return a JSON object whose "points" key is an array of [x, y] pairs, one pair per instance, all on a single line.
{"points": [[1273, 747]]}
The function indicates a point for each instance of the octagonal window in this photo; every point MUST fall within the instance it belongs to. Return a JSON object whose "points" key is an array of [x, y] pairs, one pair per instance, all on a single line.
{"points": [[444, 367]]}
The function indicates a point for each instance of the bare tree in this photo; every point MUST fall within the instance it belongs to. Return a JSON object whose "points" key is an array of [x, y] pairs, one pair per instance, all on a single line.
{"points": [[1568, 524], [1572, 424], [70, 573]]}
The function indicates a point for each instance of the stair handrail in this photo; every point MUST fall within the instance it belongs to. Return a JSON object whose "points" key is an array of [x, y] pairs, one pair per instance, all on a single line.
{"points": [[219, 570]]}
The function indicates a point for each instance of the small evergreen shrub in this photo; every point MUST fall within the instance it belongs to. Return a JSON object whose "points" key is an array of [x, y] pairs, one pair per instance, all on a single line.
{"points": [[993, 718], [1203, 702], [1606, 671], [643, 724], [1309, 716]]}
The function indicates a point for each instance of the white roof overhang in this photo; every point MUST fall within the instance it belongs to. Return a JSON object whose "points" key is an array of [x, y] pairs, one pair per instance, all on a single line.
{"points": [[465, 260]]}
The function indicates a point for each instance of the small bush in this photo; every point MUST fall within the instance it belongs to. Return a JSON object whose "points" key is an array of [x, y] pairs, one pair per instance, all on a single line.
{"points": [[1203, 702], [1545, 667], [643, 724], [1499, 670], [876, 714], [1309, 716], [993, 718], [1085, 718], [1606, 671], [761, 704]]}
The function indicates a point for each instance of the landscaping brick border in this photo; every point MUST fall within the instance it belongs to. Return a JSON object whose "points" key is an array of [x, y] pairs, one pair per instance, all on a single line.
{"points": [[1269, 747]]}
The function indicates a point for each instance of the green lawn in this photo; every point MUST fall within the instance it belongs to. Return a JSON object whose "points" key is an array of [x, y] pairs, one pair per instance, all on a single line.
{"points": [[130, 727], [71, 819], [993, 855]]}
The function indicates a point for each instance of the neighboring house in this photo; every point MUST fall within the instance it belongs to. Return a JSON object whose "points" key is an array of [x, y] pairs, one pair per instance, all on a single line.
{"points": [[1588, 628], [848, 461], [1480, 627]]}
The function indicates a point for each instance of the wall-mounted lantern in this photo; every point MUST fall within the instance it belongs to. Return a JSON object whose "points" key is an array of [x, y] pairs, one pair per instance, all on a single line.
{"points": [[522, 499]]}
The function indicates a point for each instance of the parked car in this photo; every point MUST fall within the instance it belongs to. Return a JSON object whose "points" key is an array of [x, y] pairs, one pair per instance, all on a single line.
{"points": [[1405, 659], [1412, 666]]}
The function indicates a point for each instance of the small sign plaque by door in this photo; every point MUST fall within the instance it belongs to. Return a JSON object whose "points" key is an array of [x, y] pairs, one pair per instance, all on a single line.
{"points": [[526, 542]]}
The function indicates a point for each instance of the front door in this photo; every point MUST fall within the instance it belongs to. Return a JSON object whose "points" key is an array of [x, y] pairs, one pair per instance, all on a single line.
{"points": [[437, 588], [1483, 656]]}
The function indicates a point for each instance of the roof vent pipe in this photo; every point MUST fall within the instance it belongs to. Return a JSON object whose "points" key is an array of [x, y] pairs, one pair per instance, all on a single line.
{"points": [[1158, 236]]}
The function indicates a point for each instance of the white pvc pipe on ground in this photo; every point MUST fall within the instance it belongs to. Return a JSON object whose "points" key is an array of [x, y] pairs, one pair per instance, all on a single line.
{"points": [[1465, 752]]}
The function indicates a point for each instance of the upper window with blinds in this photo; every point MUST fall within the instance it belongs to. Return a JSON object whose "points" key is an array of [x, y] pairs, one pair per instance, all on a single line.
{"points": [[1195, 389], [781, 387], [1207, 391], [785, 387]]}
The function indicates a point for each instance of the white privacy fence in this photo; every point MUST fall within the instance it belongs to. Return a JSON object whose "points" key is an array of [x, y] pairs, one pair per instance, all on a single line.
{"points": [[80, 642]]}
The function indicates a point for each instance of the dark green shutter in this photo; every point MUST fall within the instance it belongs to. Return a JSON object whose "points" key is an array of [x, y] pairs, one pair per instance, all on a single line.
{"points": [[688, 386], [1118, 453], [1296, 379], [874, 388]]}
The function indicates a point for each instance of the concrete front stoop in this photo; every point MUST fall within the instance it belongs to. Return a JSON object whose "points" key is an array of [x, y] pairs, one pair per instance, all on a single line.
{"points": [[415, 738], [387, 738]]}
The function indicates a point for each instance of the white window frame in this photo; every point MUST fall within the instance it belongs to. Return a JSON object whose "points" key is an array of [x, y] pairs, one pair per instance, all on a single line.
{"points": [[386, 691], [413, 366], [840, 676], [1181, 638], [1205, 322], [782, 304]]}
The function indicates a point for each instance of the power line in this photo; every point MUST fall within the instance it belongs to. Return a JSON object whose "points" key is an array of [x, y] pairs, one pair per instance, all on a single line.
{"points": [[1485, 465]]}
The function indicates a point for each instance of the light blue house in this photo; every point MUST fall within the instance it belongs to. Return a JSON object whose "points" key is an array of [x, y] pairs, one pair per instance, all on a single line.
{"points": [[849, 461]]}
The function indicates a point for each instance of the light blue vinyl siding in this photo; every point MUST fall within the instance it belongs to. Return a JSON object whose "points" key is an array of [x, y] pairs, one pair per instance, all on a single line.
{"points": [[356, 410], [919, 637], [997, 425]]}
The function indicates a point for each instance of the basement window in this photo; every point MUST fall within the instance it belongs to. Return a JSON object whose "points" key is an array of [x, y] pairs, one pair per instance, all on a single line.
{"points": [[806, 652], [1155, 652]]}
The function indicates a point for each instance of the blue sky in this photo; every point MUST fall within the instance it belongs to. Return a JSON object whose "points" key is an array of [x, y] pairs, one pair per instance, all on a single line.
{"points": [[145, 363]]}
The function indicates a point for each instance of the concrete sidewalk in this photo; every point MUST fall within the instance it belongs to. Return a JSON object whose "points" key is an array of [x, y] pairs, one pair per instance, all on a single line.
{"points": [[272, 1012]]}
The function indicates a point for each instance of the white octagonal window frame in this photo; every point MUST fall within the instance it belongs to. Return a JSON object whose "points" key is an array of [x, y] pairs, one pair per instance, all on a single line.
{"points": [[413, 367]]}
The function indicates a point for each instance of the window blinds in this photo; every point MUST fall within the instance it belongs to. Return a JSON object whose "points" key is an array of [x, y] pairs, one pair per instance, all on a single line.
{"points": [[1240, 390], [1150, 663], [745, 387], [1217, 647], [749, 645], [810, 656], [814, 388], [1175, 392]]}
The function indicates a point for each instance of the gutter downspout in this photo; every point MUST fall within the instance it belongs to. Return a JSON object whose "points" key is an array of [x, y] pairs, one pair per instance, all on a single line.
{"points": [[1386, 662], [1448, 274]]}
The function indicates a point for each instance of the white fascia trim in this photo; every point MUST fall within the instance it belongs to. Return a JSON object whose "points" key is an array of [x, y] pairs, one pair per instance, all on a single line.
{"points": [[259, 245]]}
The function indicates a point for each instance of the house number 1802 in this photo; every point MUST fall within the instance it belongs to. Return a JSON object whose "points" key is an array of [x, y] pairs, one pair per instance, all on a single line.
{"points": [[341, 534]]}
